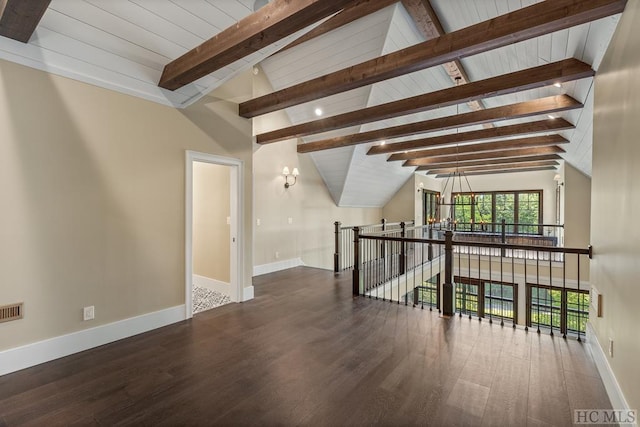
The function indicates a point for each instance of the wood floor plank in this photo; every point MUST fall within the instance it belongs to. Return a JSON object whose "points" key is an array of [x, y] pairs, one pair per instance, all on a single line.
{"points": [[305, 352], [507, 401]]}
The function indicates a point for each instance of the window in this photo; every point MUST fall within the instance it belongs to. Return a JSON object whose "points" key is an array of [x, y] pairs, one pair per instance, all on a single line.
{"points": [[521, 211], [566, 310], [484, 298], [431, 209], [427, 294], [529, 212]]}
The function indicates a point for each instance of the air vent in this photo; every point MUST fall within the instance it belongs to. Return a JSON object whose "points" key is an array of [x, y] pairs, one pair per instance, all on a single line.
{"points": [[11, 312]]}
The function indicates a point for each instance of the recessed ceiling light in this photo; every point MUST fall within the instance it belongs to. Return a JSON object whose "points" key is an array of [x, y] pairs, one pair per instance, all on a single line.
{"points": [[551, 116], [557, 84], [383, 142], [318, 111]]}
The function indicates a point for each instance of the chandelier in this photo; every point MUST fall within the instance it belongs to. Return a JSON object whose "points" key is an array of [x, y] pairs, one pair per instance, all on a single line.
{"points": [[461, 198]]}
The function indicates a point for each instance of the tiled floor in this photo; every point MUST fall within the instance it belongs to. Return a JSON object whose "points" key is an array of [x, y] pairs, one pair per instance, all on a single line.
{"points": [[206, 299]]}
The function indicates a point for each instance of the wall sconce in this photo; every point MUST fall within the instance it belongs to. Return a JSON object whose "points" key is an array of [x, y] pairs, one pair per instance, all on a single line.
{"points": [[557, 179], [294, 174], [421, 187]]}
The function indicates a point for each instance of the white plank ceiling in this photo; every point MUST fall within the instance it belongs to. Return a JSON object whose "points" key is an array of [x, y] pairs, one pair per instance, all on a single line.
{"points": [[124, 45], [355, 179]]}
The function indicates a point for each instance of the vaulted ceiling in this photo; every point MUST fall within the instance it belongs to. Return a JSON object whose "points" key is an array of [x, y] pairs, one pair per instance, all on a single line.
{"points": [[482, 86]]}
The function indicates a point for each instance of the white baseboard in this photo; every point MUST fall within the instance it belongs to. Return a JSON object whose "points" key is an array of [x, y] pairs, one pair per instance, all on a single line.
{"points": [[213, 284], [604, 369], [277, 266], [247, 293], [15, 359]]}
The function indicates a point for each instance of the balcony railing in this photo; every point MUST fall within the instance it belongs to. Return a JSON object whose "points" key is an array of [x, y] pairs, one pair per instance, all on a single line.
{"points": [[476, 279], [503, 232], [549, 235], [343, 253]]}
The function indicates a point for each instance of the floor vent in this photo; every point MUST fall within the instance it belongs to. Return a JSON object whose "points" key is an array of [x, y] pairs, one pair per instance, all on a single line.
{"points": [[11, 312]]}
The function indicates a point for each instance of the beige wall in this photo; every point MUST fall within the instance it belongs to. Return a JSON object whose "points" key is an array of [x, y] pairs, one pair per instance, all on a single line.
{"points": [[406, 204], [615, 205], [211, 209], [402, 204], [92, 189], [577, 208], [308, 203]]}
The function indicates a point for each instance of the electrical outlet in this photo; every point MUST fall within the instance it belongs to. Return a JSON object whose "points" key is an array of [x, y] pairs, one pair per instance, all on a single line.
{"points": [[277, 255], [258, 222], [611, 347], [89, 313], [290, 220], [228, 220]]}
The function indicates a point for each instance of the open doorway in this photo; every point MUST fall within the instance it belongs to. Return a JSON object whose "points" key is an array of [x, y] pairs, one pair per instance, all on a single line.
{"points": [[213, 229]]}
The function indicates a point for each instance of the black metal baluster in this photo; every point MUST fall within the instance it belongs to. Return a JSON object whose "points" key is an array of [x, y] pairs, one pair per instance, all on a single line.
{"points": [[564, 292], [538, 282], [484, 290], [528, 313], [550, 290], [501, 294], [440, 270], [515, 291], [405, 282], [579, 300]]}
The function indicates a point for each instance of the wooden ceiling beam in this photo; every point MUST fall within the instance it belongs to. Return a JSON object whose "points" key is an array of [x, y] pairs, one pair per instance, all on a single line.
{"points": [[508, 144], [19, 18], [276, 20], [548, 125], [522, 152], [427, 21], [503, 161], [543, 168], [548, 105], [522, 165], [484, 162], [523, 24], [359, 9], [531, 78]]}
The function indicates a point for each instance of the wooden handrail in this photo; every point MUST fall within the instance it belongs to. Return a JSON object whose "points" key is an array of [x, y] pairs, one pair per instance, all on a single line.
{"points": [[581, 251]]}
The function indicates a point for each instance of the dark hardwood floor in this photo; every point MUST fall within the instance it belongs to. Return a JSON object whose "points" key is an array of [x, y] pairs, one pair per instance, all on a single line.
{"points": [[304, 352]]}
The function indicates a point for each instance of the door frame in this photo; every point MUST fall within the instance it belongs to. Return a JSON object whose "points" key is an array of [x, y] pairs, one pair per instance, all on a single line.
{"points": [[236, 243]]}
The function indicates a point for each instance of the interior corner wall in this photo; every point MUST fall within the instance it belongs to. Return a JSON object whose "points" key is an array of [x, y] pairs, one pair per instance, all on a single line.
{"points": [[406, 204], [401, 206], [92, 184], [310, 235], [211, 230], [615, 204], [577, 208]]}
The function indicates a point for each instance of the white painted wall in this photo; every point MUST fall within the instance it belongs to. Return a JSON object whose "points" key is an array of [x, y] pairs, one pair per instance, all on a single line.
{"points": [[93, 194], [615, 203], [309, 237]]}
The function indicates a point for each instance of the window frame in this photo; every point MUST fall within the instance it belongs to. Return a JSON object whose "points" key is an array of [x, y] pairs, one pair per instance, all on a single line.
{"points": [[564, 308], [516, 208], [430, 198], [481, 286]]}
